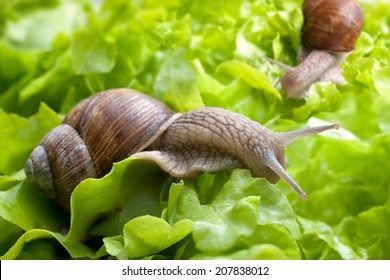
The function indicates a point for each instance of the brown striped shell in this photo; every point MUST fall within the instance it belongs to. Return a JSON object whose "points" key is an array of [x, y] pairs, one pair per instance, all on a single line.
{"points": [[103, 129], [331, 25]]}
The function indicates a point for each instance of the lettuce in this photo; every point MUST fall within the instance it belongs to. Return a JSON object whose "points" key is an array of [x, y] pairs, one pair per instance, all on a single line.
{"points": [[191, 54]]}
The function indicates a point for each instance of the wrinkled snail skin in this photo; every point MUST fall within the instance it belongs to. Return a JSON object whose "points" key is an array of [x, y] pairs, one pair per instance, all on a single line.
{"points": [[329, 33], [120, 123], [334, 72], [213, 139], [317, 66]]}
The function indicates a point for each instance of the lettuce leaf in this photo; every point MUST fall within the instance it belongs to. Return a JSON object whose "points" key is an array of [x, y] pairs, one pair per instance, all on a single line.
{"points": [[191, 54], [19, 136]]}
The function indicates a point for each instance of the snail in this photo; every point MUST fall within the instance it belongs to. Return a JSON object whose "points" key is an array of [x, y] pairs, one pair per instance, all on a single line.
{"points": [[119, 123], [329, 33]]}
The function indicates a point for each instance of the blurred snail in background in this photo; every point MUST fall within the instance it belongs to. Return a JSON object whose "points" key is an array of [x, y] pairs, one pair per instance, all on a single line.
{"points": [[329, 33], [120, 123]]}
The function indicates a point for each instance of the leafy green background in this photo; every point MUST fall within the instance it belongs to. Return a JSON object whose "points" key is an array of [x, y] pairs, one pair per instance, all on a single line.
{"points": [[191, 54]]}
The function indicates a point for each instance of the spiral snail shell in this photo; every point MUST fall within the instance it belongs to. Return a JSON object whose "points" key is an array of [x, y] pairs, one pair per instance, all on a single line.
{"points": [[331, 25], [120, 123]]}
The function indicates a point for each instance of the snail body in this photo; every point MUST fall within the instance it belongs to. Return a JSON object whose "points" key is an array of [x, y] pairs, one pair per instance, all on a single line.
{"points": [[120, 123], [329, 33]]}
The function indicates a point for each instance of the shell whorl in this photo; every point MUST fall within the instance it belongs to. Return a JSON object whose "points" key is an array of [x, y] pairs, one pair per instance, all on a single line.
{"points": [[117, 123], [38, 170]]}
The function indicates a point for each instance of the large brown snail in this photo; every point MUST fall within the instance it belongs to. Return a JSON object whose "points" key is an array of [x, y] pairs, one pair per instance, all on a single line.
{"points": [[119, 123], [329, 33]]}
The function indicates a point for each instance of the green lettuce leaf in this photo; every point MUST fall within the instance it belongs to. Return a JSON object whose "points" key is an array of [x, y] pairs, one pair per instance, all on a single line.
{"points": [[231, 210], [250, 75], [320, 241], [133, 188], [146, 235], [41, 249], [191, 54], [91, 52], [373, 231], [19, 135], [99, 208]]}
